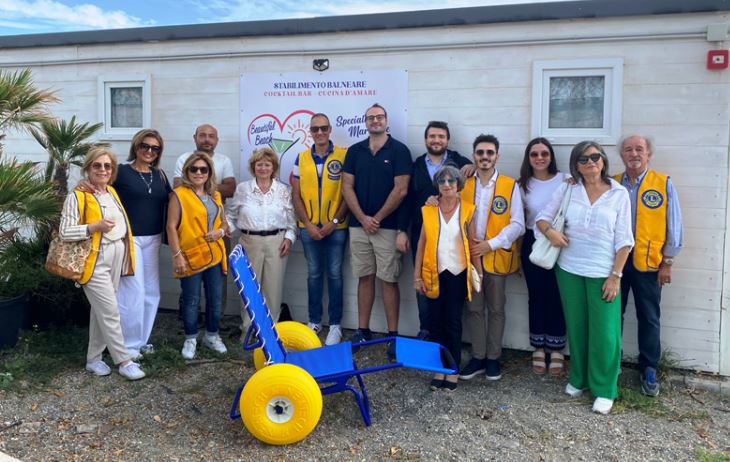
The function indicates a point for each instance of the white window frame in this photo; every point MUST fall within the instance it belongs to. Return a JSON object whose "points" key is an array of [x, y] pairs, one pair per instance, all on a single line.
{"points": [[105, 84], [609, 68]]}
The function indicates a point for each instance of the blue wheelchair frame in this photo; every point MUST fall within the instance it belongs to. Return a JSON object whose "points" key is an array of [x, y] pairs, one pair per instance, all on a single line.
{"points": [[331, 366]]}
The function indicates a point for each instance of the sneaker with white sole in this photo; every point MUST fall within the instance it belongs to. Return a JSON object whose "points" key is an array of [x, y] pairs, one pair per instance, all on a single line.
{"points": [[99, 368], [215, 343], [317, 328], [573, 392], [602, 405], [131, 371], [189, 347], [334, 336]]}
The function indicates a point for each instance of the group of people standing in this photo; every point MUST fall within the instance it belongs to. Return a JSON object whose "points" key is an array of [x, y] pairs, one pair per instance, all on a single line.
{"points": [[467, 225]]}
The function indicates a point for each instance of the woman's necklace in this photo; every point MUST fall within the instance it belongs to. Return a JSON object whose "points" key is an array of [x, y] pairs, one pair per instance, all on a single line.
{"points": [[147, 183]]}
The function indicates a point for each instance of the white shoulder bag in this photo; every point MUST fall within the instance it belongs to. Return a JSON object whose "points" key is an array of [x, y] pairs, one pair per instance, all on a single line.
{"points": [[543, 253]]}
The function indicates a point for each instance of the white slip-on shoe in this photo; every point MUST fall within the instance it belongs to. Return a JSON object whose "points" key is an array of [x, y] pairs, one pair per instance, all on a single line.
{"points": [[189, 347], [573, 392], [602, 405], [215, 343], [99, 368], [131, 371], [334, 336]]}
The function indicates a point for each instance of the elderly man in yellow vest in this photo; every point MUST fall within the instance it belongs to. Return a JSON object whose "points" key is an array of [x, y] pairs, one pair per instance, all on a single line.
{"points": [[500, 221], [657, 225], [322, 213]]}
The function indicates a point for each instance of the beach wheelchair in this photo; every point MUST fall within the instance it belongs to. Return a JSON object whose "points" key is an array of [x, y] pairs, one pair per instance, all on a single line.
{"points": [[282, 402]]}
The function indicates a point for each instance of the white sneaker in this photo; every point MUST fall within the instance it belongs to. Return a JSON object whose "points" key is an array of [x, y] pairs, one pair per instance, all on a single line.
{"points": [[134, 354], [215, 343], [189, 347], [334, 336], [602, 405], [315, 327], [573, 392], [99, 368], [131, 371]]}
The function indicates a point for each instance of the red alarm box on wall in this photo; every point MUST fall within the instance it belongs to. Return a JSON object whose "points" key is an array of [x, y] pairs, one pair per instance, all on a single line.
{"points": [[717, 59]]}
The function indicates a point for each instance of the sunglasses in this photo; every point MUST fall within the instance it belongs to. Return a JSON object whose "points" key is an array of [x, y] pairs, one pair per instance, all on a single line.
{"points": [[536, 154], [99, 166], [375, 117], [194, 169], [593, 157], [443, 181], [485, 152], [322, 128], [147, 147]]}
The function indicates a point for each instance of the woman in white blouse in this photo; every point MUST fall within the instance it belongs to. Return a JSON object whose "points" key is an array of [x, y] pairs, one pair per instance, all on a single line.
{"points": [[539, 178], [443, 266], [262, 209], [596, 242], [99, 216]]}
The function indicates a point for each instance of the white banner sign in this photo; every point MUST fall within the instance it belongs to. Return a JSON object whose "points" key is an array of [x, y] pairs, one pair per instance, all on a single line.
{"points": [[276, 109]]}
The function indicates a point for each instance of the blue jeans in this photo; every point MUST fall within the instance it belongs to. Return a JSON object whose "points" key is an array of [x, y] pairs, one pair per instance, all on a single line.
{"points": [[647, 297], [325, 253], [212, 278]]}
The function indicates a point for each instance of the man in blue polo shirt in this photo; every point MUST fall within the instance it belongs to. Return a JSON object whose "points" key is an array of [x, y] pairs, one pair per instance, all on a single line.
{"points": [[317, 199], [375, 183]]}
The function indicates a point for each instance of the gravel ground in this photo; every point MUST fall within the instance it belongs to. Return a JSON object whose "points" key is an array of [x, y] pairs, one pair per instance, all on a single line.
{"points": [[184, 416]]}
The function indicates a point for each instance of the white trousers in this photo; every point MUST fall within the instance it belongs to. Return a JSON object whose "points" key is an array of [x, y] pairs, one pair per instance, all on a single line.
{"points": [[104, 328], [139, 295]]}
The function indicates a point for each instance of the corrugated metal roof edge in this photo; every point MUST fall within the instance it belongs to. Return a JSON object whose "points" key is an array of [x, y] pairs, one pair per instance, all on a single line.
{"points": [[379, 21]]}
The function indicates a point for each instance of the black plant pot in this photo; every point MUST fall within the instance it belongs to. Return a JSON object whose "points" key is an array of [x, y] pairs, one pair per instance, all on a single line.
{"points": [[12, 312]]}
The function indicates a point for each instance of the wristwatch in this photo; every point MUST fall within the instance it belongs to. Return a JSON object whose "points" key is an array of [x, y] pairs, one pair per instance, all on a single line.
{"points": [[618, 274], [669, 261], [335, 221]]}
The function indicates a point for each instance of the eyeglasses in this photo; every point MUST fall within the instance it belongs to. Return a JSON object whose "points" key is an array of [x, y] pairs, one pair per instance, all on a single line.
{"points": [[322, 128], [194, 169], [536, 154], [443, 181], [147, 147], [485, 152], [593, 157], [99, 166], [378, 117]]}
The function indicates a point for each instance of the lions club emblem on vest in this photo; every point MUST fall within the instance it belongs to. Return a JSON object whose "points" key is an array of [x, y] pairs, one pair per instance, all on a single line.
{"points": [[499, 205], [652, 198], [334, 167]]}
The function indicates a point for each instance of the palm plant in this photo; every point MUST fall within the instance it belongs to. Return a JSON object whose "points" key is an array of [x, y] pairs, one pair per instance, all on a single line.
{"points": [[66, 144], [22, 105]]}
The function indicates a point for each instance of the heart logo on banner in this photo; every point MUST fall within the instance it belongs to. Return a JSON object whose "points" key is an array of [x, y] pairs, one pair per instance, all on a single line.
{"points": [[281, 136]]}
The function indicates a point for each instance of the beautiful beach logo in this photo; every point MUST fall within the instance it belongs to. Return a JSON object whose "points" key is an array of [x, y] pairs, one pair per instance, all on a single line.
{"points": [[281, 136]]}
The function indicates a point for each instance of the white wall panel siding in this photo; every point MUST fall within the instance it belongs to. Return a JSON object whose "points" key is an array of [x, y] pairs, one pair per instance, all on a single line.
{"points": [[479, 79]]}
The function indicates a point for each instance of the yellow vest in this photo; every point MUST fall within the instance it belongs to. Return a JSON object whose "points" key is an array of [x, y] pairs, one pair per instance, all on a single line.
{"points": [[199, 254], [500, 261], [432, 229], [651, 220], [322, 204], [90, 212]]}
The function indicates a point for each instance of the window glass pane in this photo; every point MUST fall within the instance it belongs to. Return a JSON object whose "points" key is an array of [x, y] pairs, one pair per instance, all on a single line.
{"points": [[126, 107], [576, 102]]}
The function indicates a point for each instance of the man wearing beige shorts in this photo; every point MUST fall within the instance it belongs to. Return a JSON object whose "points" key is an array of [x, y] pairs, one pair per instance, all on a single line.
{"points": [[376, 175]]}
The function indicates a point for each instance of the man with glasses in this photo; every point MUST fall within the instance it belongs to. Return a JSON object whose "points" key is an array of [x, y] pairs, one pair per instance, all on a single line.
{"points": [[657, 226], [322, 214], [206, 140], [420, 188], [377, 171], [500, 222]]}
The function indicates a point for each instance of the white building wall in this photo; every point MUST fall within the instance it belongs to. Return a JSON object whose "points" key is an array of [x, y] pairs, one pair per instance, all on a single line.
{"points": [[478, 78]]}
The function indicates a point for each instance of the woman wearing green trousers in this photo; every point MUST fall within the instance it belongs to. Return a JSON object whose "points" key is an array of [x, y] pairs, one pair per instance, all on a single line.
{"points": [[595, 244]]}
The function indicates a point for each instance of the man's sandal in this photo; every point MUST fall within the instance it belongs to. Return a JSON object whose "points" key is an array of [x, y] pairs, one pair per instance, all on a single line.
{"points": [[538, 362], [557, 363]]}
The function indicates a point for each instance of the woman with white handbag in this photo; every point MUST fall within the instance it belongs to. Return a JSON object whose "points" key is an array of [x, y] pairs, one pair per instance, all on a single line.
{"points": [[539, 178], [595, 243]]}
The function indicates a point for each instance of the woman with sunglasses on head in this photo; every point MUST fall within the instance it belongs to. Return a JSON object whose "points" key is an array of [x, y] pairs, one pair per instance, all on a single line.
{"points": [[443, 266], [595, 244], [96, 213], [539, 178], [144, 190], [196, 225]]}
